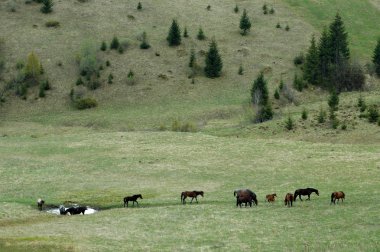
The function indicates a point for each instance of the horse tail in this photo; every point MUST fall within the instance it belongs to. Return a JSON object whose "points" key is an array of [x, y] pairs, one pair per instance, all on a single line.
{"points": [[332, 197], [182, 196]]}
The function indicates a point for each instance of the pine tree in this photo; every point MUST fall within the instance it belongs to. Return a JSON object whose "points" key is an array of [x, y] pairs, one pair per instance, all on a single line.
{"points": [[103, 47], [185, 34], [310, 70], [139, 6], [47, 6], [174, 36], [334, 101], [241, 70], [236, 9], [324, 55], [245, 24], [214, 62], [338, 41], [192, 58], [376, 58], [259, 91], [115, 43], [201, 35], [144, 43], [33, 67], [276, 94]]}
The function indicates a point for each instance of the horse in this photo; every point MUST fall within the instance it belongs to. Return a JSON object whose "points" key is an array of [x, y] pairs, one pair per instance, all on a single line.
{"points": [[271, 197], [40, 203], [306, 191], [76, 210], [336, 196], [132, 198], [289, 199], [191, 194], [239, 192]]}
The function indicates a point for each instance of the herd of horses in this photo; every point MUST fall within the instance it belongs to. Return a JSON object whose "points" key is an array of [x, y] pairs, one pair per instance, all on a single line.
{"points": [[243, 196]]}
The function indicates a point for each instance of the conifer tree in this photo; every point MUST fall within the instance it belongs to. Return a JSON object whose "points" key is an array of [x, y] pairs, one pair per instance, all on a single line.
{"points": [[47, 6], [115, 43], [310, 70], [324, 55], [201, 35], [338, 41], [236, 9], [33, 67], [192, 58], [144, 43], [376, 58], [139, 6], [245, 24], [214, 62], [333, 101], [185, 34], [259, 91], [103, 47], [174, 36]]}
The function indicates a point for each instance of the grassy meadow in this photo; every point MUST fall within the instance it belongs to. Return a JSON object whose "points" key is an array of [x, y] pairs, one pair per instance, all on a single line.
{"points": [[127, 145]]}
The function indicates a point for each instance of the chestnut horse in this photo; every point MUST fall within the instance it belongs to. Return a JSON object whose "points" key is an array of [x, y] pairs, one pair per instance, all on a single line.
{"points": [[289, 198], [336, 196], [306, 191], [191, 194], [245, 196], [271, 197], [133, 199]]}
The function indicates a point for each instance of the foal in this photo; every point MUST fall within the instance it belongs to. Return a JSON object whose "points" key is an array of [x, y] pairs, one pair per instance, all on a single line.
{"points": [[271, 197], [289, 198], [132, 198]]}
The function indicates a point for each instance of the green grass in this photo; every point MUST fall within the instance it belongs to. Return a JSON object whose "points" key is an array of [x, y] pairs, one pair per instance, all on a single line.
{"points": [[361, 20], [99, 168]]}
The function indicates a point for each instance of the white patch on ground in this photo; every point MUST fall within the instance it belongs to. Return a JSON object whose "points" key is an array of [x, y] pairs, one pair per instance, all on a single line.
{"points": [[57, 212]]}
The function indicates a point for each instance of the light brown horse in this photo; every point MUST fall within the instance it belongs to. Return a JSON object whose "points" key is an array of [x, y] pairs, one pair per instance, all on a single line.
{"points": [[289, 198], [271, 197], [191, 194], [336, 196]]}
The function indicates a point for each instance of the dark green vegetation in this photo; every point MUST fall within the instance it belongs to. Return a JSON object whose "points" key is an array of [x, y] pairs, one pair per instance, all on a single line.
{"points": [[100, 124]]}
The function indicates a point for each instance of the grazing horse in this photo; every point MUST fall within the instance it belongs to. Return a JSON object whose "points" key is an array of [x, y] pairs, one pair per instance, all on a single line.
{"points": [[289, 198], [76, 210], [336, 196], [245, 199], [306, 191], [191, 194], [271, 197], [132, 198], [40, 203]]}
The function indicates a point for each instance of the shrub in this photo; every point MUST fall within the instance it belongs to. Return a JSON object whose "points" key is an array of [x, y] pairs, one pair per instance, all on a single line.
{"points": [[79, 81], [241, 70], [174, 36], [103, 47], [110, 78], [131, 78], [335, 123], [373, 114], [287, 28], [120, 50], [333, 101], [278, 25], [47, 6], [108, 63], [361, 104], [144, 44], [185, 34], [88, 63], [276, 94], [139, 6], [192, 58], [86, 103], [271, 11], [264, 113], [299, 59], [298, 83], [52, 23], [32, 68], [344, 126], [321, 116], [265, 9], [304, 114], [236, 9]]}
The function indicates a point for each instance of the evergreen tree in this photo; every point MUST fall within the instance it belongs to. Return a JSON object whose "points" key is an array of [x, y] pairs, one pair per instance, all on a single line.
{"points": [[276, 94], [103, 47], [241, 70], [245, 24], [259, 91], [214, 62], [324, 55], [304, 114], [310, 70], [192, 58], [289, 123], [236, 9], [174, 36], [47, 6], [333, 101], [376, 58], [201, 35], [115, 43], [185, 34], [139, 6], [338, 41], [144, 43]]}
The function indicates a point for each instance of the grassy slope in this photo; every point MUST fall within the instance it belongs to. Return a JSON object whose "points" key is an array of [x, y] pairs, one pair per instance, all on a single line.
{"points": [[99, 169]]}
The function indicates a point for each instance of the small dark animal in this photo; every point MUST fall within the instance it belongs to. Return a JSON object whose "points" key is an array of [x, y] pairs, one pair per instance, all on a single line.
{"points": [[289, 198], [40, 203], [132, 198], [271, 197], [306, 191], [190, 194], [336, 196], [245, 196]]}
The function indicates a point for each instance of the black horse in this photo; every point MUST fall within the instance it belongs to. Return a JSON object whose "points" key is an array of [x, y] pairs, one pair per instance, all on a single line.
{"points": [[245, 196], [72, 210], [132, 198], [306, 191], [192, 195]]}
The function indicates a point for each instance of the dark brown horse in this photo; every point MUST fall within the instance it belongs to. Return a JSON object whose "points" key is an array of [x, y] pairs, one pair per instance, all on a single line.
{"points": [[190, 194], [76, 210], [289, 198], [245, 196], [306, 191], [337, 196], [133, 199], [271, 197]]}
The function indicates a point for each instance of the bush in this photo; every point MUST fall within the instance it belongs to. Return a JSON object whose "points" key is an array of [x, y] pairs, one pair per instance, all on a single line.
{"points": [[299, 59], [88, 64], [321, 116], [289, 123], [236, 9], [139, 6], [79, 81], [304, 114], [278, 25], [114, 43], [287, 28], [144, 44], [298, 83], [373, 114], [241, 70], [52, 23], [276, 94], [201, 35], [110, 78], [33, 68], [47, 6], [103, 47], [86, 103]]}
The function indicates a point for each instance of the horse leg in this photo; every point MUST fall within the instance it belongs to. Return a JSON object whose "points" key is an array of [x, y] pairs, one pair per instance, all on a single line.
{"points": [[192, 200], [196, 199], [184, 197], [308, 197]]}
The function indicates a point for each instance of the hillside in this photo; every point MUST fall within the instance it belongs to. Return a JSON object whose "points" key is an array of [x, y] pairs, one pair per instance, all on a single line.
{"points": [[132, 141]]}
